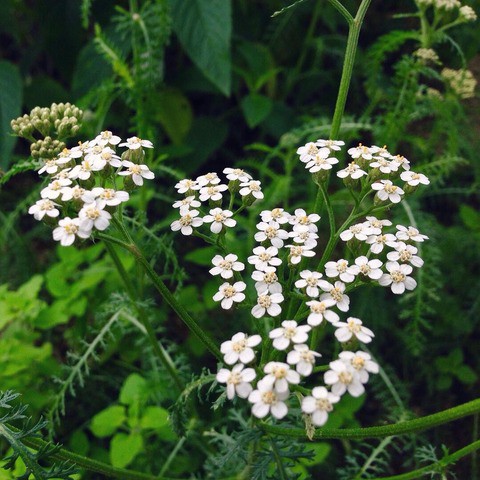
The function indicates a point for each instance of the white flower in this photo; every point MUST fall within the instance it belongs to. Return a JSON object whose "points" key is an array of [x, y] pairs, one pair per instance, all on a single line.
{"points": [[352, 170], [335, 293], [320, 163], [226, 266], [93, 215], [401, 161], [50, 166], [410, 233], [44, 207], [267, 280], [138, 172], [208, 179], [360, 231], [239, 348], [107, 138], [361, 362], [307, 238], [405, 254], [290, 331], [467, 13], [237, 174], [299, 251], [360, 152], [386, 190], [251, 187], [319, 405], [267, 303], [353, 327], [228, 294], [101, 156], [320, 310], [54, 188], [331, 144], [237, 380], [369, 268], [377, 242], [271, 231], [279, 376], [110, 197], [134, 143], [384, 165], [413, 179], [303, 358], [377, 224], [302, 222], [67, 230], [341, 269], [309, 280], [310, 150], [187, 220], [66, 155], [278, 215], [398, 278], [213, 192], [265, 399], [186, 203], [77, 193], [380, 152], [84, 170], [186, 185], [342, 377], [264, 257], [219, 218]]}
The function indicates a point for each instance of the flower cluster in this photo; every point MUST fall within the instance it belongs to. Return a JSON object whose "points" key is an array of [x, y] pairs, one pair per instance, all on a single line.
{"points": [[316, 297], [462, 82], [83, 185]]}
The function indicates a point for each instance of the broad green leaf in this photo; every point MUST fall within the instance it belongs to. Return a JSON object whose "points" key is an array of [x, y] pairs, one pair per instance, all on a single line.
{"points": [[10, 107], [124, 448], [256, 108], [107, 421], [79, 443], [470, 217], [174, 112], [154, 417], [204, 28], [202, 256], [466, 375], [134, 389]]}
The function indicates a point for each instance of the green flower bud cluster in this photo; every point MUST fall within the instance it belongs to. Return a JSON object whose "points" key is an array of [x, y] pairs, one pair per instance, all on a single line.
{"points": [[54, 124], [46, 148]]}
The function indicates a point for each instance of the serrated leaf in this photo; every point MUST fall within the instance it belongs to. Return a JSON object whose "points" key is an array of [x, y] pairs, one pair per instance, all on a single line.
{"points": [[107, 421], [204, 28], [10, 107], [256, 108], [124, 448]]}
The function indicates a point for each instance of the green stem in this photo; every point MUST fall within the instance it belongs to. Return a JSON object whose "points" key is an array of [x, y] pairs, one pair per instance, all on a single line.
{"points": [[158, 348], [400, 428], [442, 463], [355, 26]]}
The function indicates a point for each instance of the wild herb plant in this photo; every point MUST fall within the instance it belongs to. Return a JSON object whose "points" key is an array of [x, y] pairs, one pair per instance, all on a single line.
{"points": [[285, 320]]}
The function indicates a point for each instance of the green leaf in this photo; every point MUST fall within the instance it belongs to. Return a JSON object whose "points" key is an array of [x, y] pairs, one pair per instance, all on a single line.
{"points": [[124, 448], [10, 107], [202, 256], [174, 112], [466, 375], [470, 217], [134, 389], [256, 108], [154, 417], [107, 421], [204, 28]]}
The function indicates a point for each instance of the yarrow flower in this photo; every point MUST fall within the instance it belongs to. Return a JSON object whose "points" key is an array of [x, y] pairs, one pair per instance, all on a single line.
{"points": [[397, 277], [225, 267], [279, 376], [386, 190], [239, 348], [342, 378], [218, 219], [44, 207], [353, 327], [267, 400], [309, 281], [290, 331], [228, 294], [319, 311], [319, 405], [238, 380], [267, 303], [137, 172], [187, 221], [303, 358]]}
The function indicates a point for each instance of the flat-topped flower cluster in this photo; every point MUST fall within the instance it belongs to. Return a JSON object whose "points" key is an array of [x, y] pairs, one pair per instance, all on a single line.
{"points": [[314, 297], [84, 184]]}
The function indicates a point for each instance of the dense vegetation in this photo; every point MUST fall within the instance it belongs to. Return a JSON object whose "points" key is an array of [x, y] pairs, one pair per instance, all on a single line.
{"points": [[215, 84]]}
